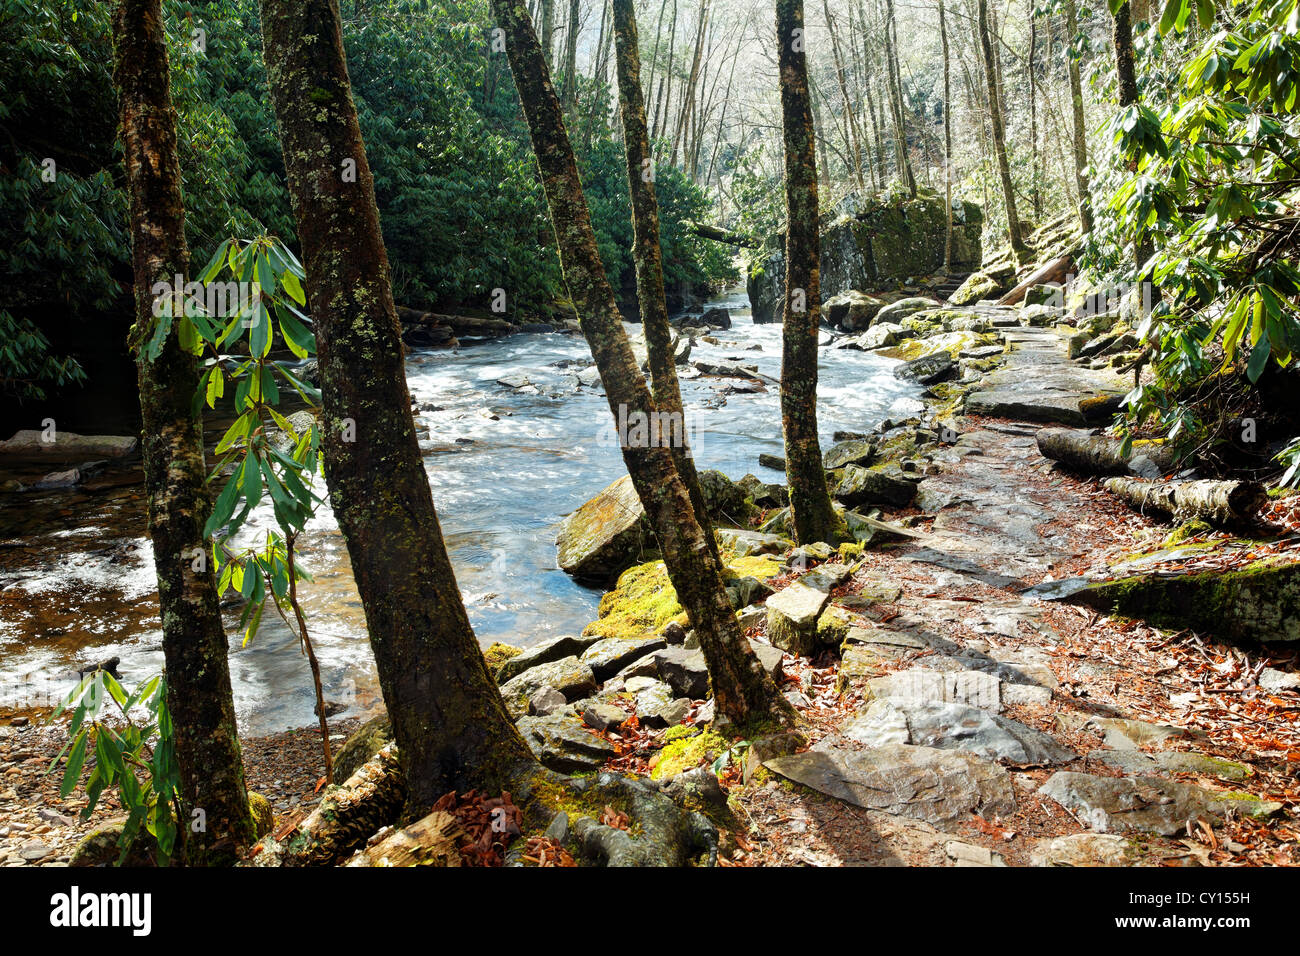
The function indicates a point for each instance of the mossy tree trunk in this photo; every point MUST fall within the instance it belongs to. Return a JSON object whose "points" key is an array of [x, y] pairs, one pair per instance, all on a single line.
{"points": [[742, 690], [451, 726], [648, 255], [999, 132], [1076, 112], [194, 642], [1127, 91], [810, 500]]}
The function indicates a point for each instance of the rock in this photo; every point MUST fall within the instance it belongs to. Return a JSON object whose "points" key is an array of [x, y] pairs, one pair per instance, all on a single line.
{"points": [[101, 847], [545, 702], [1173, 761], [775, 462], [570, 676], [744, 591], [938, 786], [558, 828], [926, 370], [58, 445], [921, 686], [694, 788], [1272, 679], [792, 615], [762, 494], [897, 311], [603, 716], [58, 479], [716, 318], [851, 310], [605, 536], [1046, 293], [770, 657], [855, 452], [1143, 804], [968, 854], [653, 702], [956, 727], [833, 626], [544, 653], [1120, 734], [860, 487], [514, 381], [1091, 849], [366, 741], [611, 654], [978, 285], [744, 543], [684, 671], [879, 336], [562, 744], [723, 498]]}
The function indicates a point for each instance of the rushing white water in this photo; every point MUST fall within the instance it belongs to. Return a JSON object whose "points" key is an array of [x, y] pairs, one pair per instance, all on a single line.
{"points": [[505, 464]]}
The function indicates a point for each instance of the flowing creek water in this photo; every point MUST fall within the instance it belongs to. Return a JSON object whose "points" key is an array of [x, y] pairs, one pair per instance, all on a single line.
{"points": [[505, 464]]}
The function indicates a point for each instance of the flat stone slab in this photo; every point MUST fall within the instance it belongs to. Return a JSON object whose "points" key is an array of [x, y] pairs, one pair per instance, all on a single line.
{"points": [[34, 443], [1173, 761], [611, 654], [1143, 804], [543, 653], [938, 786], [1121, 734], [921, 686], [562, 744], [956, 727], [1105, 849]]}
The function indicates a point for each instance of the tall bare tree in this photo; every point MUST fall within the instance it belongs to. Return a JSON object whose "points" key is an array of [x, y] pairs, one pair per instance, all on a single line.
{"points": [[451, 726], [1080, 139], [194, 643], [810, 500], [742, 690], [999, 133], [947, 137]]}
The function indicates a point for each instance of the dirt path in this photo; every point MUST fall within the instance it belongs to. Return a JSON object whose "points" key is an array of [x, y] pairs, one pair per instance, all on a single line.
{"points": [[983, 726]]}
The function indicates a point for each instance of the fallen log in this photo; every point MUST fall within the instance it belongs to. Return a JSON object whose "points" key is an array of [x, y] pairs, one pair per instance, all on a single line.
{"points": [[471, 326], [1221, 503], [1054, 271], [1091, 454], [705, 231]]}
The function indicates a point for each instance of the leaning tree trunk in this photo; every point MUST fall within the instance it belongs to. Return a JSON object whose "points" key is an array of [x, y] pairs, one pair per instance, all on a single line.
{"points": [[999, 133], [449, 721], [742, 690], [894, 80], [194, 643], [1127, 89], [1224, 504], [810, 500], [1076, 111], [648, 256]]}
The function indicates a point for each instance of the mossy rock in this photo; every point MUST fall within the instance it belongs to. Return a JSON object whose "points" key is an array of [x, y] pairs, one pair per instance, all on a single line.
{"points": [[499, 653], [688, 753], [642, 602], [950, 343], [978, 285], [1189, 529], [102, 847], [263, 814], [833, 626]]}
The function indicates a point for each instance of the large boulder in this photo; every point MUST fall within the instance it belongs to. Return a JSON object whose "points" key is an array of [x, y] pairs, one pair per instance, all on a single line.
{"points": [[66, 446], [978, 285], [863, 486], [570, 676], [852, 310], [897, 311], [604, 536]]}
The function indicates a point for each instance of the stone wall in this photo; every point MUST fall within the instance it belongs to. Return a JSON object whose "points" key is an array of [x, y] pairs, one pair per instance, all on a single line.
{"points": [[874, 246]]}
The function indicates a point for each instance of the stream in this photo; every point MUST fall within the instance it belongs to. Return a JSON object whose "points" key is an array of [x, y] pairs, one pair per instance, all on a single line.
{"points": [[505, 464]]}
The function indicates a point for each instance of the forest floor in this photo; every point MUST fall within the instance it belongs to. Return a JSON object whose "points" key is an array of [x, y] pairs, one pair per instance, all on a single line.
{"points": [[1160, 748]]}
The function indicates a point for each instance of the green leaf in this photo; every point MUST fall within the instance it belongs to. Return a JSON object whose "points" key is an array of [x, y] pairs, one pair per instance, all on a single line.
{"points": [[76, 759], [293, 287], [1258, 358], [215, 263]]}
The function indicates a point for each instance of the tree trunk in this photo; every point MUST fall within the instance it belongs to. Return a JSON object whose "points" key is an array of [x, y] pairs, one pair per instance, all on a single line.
{"points": [[947, 138], [1126, 80], [855, 148], [894, 81], [810, 500], [1035, 192], [194, 643], [1225, 504], [1076, 110], [1091, 454], [742, 690], [546, 29], [648, 256], [448, 719], [999, 136], [571, 59]]}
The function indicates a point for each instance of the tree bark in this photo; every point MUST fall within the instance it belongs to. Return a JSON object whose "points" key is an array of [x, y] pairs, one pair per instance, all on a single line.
{"points": [[1225, 504], [894, 81], [810, 500], [742, 690], [1126, 79], [448, 719], [194, 642], [648, 256], [1091, 454], [855, 147], [1076, 111], [947, 139], [999, 135]]}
